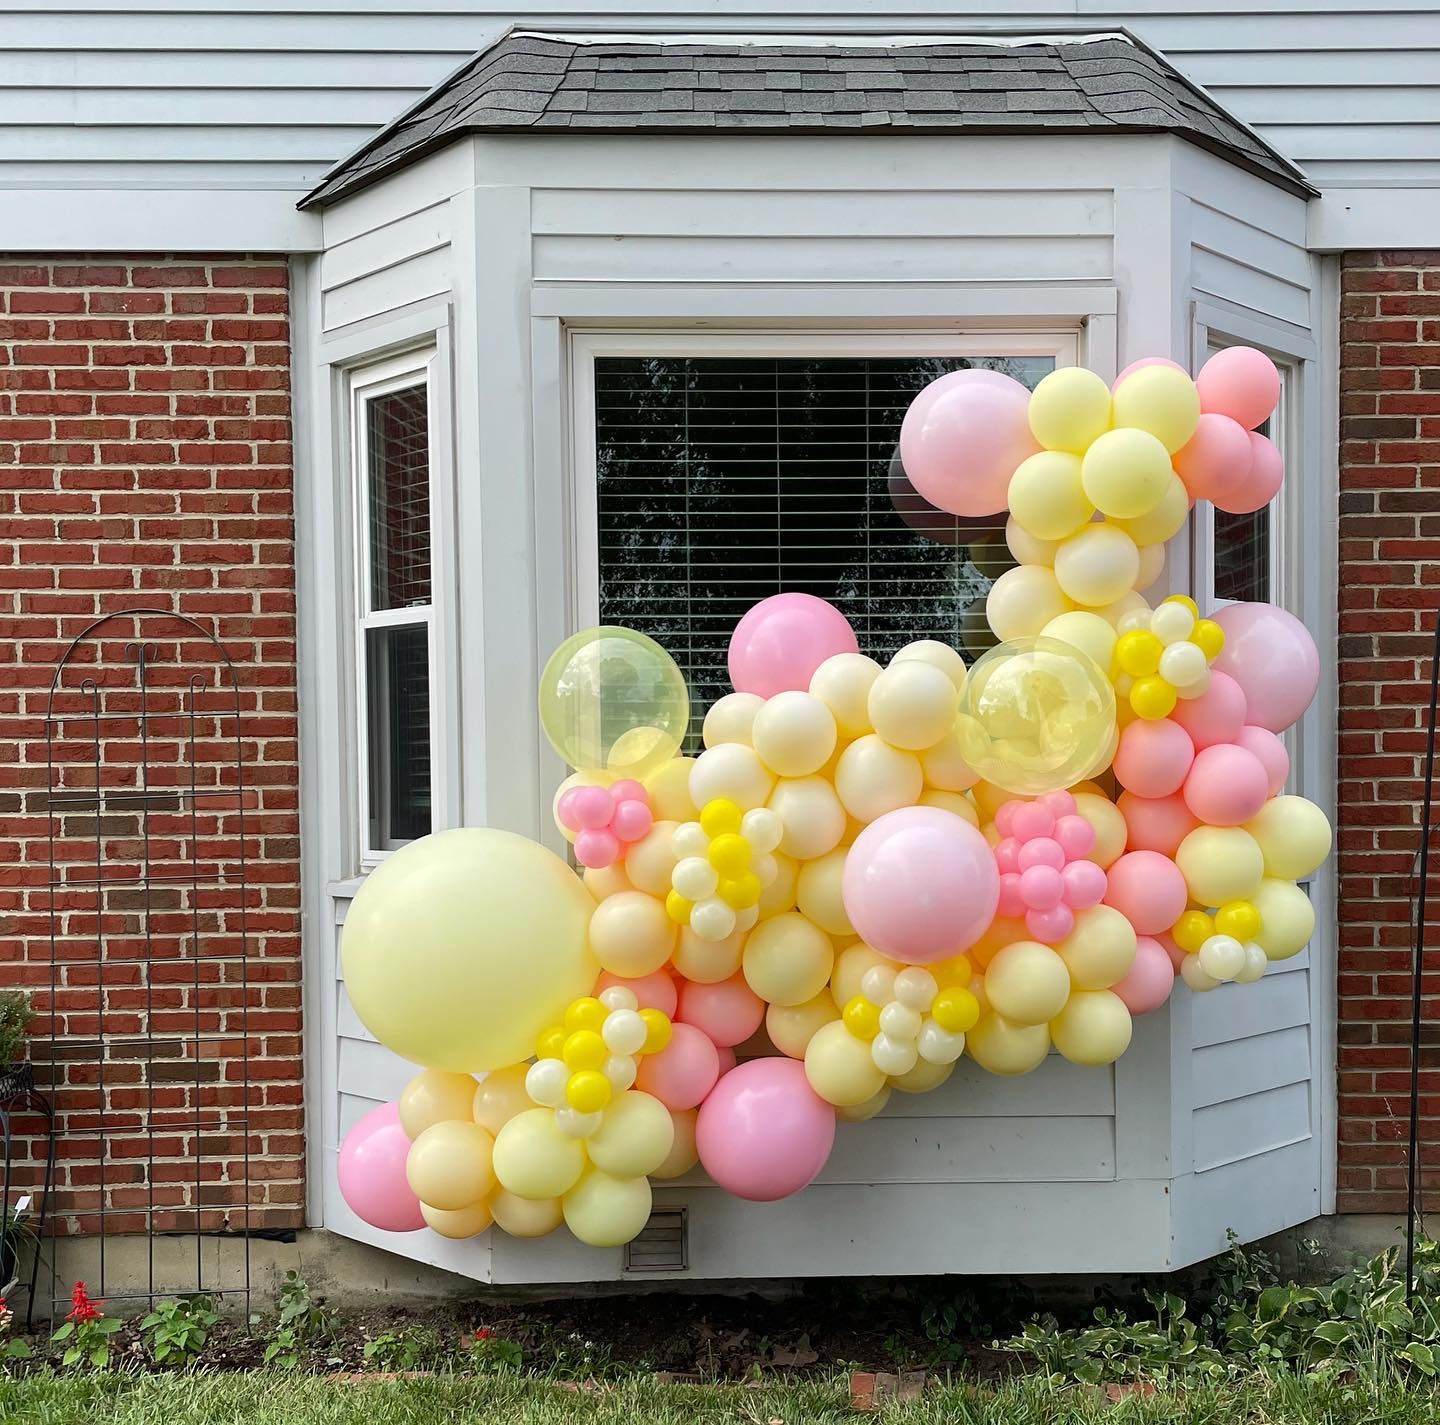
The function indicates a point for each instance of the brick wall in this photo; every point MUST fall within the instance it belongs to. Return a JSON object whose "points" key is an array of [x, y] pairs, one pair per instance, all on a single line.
{"points": [[145, 449], [1389, 589]]}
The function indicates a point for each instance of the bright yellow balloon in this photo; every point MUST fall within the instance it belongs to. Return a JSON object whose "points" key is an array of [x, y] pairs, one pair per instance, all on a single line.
{"points": [[912, 704], [1023, 600], [1239, 919], [433, 1096], [840, 1068], [1293, 835], [1138, 652], [683, 1154], [499, 1096], [956, 1010], [811, 815], [534, 1159], [1000, 1047], [1085, 631], [588, 1091], [1093, 1028], [873, 778], [787, 959], [1100, 949], [1027, 983], [794, 734], [522, 1217], [1126, 473], [449, 1165], [1161, 400], [791, 1027], [605, 1211], [1152, 698], [842, 682], [1287, 918], [1220, 863], [1192, 930], [458, 1223], [862, 1017], [1165, 520], [634, 1137], [1046, 495], [631, 934], [1208, 637], [613, 698], [429, 948], [1097, 565], [1069, 409]]}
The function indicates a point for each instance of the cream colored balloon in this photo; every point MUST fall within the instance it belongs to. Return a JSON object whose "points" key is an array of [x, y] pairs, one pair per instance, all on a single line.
{"points": [[631, 934], [460, 1223], [787, 959], [731, 770], [707, 962], [1220, 863], [873, 778], [1027, 982], [433, 1096], [791, 1027], [811, 813], [605, 881], [1287, 918], [1152, 565], [1107, 822], [944, 766], [818, 893], [605, 1211], [450, 1164], [1293, 835], [779, 895], [923, 1077], [500, 1096], [1026, 548], [1087, 632], [842, 682], [1094, 1028], [1099, 951], [937, 655], [575, 779], [523, 1217], [731, 719], [1165, 520], [850, 967], [649, 861], [840, 1068], [955, 802], [683, 1154], [634, 1137], [1046, 496], [862, 1112], [794, 734], [669, 789], [534, 1159], [1097, 565], [1128, 603], [913, 704], [1000, 1047], [1022, 601]]}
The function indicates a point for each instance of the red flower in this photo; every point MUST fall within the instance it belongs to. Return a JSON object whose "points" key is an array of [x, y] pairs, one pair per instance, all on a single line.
{"points": [[481, 1334], [81, 1307]]}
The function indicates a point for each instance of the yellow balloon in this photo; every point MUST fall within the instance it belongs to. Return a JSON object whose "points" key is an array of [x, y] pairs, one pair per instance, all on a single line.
{"points": [[922, 1078], [1097, 565], [861, 1017], [912, 704], [850, 967], [1027, 983], [1293, 835], [944, 766], [499, 1096], [1023, 600], [1000, 1047], [794, 734], [873, 778], [649, 861], [1126, 473], [1237, 918], [1220, 863], [707, 962], [683, 1154], [1034, 716], [1093, 1028], [842, 682], [1161, 400], [1192, 930], [730, 772], [449, 1165], [588, 1091], [634, 1137], [956, 803], [433, 1096], [458, 1223], [1152, 698], [606, 1211], [818, 893], [937, 655], [1046, 495], [1069, 409], [779, 895], [534, 1159], [669, 789], [861, 1112], [1152, 565], [429, 948], [731, 719], [1138, 653], [1025, 548], [1100, 949], [631, 934], [613, 698], [522, 1217], [791, 1027], [840, 1068], [1085, 631], [787, 959], [605, 881], [1165, 520], [1287, 918], [811, 815]]}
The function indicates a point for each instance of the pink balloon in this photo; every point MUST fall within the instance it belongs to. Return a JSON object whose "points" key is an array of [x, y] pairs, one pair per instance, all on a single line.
{"points": [[1226, 785], [597, 848], [1051, 926], [1261, 485], [1270, 654], [1173, 952], [627, 789], [1217, 715], [1147, 889], [920, 884], [1143, 363], [727, 1060], [729, 1012], [764, 1133], [1084, 884], [1150, 979], [1031, 819], [1075, 835], [962, 438], [782, 640], [1262, 743], [1011, 902], [1241, 383], [371, 1170], [684, 1071], [1007, 854], [633, 820], [1216, 460], [1156, 823], [1041, 851], [1042, 887], [1153, 757], [653, 991]]}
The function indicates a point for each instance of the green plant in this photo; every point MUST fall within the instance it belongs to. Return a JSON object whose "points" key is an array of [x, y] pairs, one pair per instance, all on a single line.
{"points": [[14, 1017], [283, 1349], [175, 1331], [406, 1348], [12, 1348], [301, 1312], [85, 1333], [488, 1352]]}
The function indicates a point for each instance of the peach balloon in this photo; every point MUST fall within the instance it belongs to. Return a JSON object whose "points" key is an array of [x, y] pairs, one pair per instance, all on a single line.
{"points": [[1147, 889], [1241, 383], [684, 1071], [729, 1012], [1150, 979], [1156, 823], [1153, 757], [652, 991], [1260, 485], [1215, 461]]}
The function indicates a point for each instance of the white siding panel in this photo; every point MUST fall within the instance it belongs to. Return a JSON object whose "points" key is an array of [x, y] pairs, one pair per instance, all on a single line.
{"points": [[1245, 1127], [1055, 1088], [369, 1070], [1245, 1066], [410, 280], [412, 236], [1239, 1011]]}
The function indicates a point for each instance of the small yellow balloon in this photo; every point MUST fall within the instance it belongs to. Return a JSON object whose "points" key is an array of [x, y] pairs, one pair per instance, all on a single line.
{"points": [[1093, 1028], [862, 1017], [956, 1010], [551, 1044], [729, 854], [839, 1067], [584, 1013], [678, 908], [720, 817], [458, 1224], [1237, 918], [1152, 698], [1000, 1047], [533, 1159], [521, 1217], [500, 1095], [605, 1211], [433, 1096], [1192, 930], [584, 1049], [588, 1091], [634, 1138], [1069, 409], [1221, 863], [791, 1027], [1161, 400], [1046, 495], [1027, 983], [1208, 637], [1125, 473], [740, 891], [657, 1031], [450, 1165], [1138, 652], [1293, 835]]}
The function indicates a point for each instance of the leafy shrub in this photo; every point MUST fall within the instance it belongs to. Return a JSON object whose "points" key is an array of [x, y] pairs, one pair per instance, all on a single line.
{"points": [[14, 1018], [488, 1352], [301, 1321], [406, 1348], [175, 1331]]}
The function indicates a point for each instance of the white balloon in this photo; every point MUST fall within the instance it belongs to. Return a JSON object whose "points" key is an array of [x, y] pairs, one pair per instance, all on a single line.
{"points": [[1182, 664], [893, 1056], [731, 719], [545, 1082], [618, 997], [916, 987], [690, 840], [1222, 957], [1193, 973], [746, 917], [574, 1124], [877, 984], [900, 1022], [620, 1070], [623, 1032], [1256, 961], [712, 919], [939, 1046], [762, 828], [731, 770], [695, 878], [1172, 623], [765, 867], [1195, 688], [1133, 619]]}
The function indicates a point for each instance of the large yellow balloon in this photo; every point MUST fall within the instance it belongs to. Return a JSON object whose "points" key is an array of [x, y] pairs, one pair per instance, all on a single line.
{"points": [[1100, 949], [811, 815], [499, 1096], [873, 778], [1161, 400], [707, 962], [534, 1159], [1023, 600], [1046, 496], [1293, 835], [794, 734], [842, 682], [1093, 1028], [791, 1027], [433, 1096], [1126, 473], [1220, 863], [912, 704], [818, 894], [449, 1165], [1287, 918], [937, 655], [1069, 409], [787, 959], [1004, 1048], [634, 1137], [605, 1211], [458, 1223], [1027, 983], [462, 946], [1097, 565], [840, 1068], [522, 1217], [1086, 631]]}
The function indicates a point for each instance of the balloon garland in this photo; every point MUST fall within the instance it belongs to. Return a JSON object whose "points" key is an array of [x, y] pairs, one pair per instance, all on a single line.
{"points": [[868, 872]]}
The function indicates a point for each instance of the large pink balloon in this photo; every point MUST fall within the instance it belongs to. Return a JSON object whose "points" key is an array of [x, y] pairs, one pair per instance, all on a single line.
{"points": [[764, 1133], [1217, 715], [1147, 889], [1153, 757], [920, 884], [1226, 785], [1241, 383], [782, 640], [371, 1170], [1273, 658], [962, 438], [1150, 979]]}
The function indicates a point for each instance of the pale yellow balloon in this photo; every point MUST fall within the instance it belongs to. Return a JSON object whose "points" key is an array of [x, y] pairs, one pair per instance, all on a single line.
{"points": [[669, 790], [1001, 932], [1025, 548], [634, 1137], [1126, 473], [429, 948], [818, 893], [811, 814], [708, 962], [458, 1223], [937, 655], [524, 1217], [1027, 983], [499, 1096], [1097, 565], [683, 1154], [794, 734], [1000, 1047], [924, 1077], [787, 959], [1100, 949], [1023, 600], [862, 1112], [731, 719], [873, 778], [595, 778], [1106, 755], [641, 750], [1107, 822], [990, 798], [733, 771], [840, 1068], [850, 967], [1293, 835], [1152, 565], [842, 682], [791, 1027], [605, 881], [779, 895], [631, 934], [912, 704], [956, 803], [1220, 863], [943, 765], [1093, 1028], [1046, 495], [1088, 632], [1161, 400], [534, 1159], [1287, 918], [1069, 409], [1125, 604], [649, 861], [1165, 520], [605, 1211], [450, 1164], [433, 1096]]}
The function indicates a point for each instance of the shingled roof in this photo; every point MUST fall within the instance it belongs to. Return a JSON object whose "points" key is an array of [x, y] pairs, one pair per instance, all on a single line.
{"points": [[530, 83]]}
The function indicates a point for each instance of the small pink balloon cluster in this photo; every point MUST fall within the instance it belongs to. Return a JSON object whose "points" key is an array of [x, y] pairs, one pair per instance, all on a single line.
{"points": [[1227, 461], [605, 820], [1044, 876]]}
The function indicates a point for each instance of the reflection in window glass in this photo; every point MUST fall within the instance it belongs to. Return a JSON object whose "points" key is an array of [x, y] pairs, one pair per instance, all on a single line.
{"points": [[398, 678], [398, 447], [1242, 556]]}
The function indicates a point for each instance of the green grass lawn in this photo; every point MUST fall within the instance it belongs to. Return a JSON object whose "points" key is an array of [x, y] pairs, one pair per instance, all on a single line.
{"points": [[293, 1399]]}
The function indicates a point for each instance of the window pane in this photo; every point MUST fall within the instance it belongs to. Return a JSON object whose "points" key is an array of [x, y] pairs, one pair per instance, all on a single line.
{"points": [[1242, 556], [398, 686], [398, 444], [724, 480]]}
